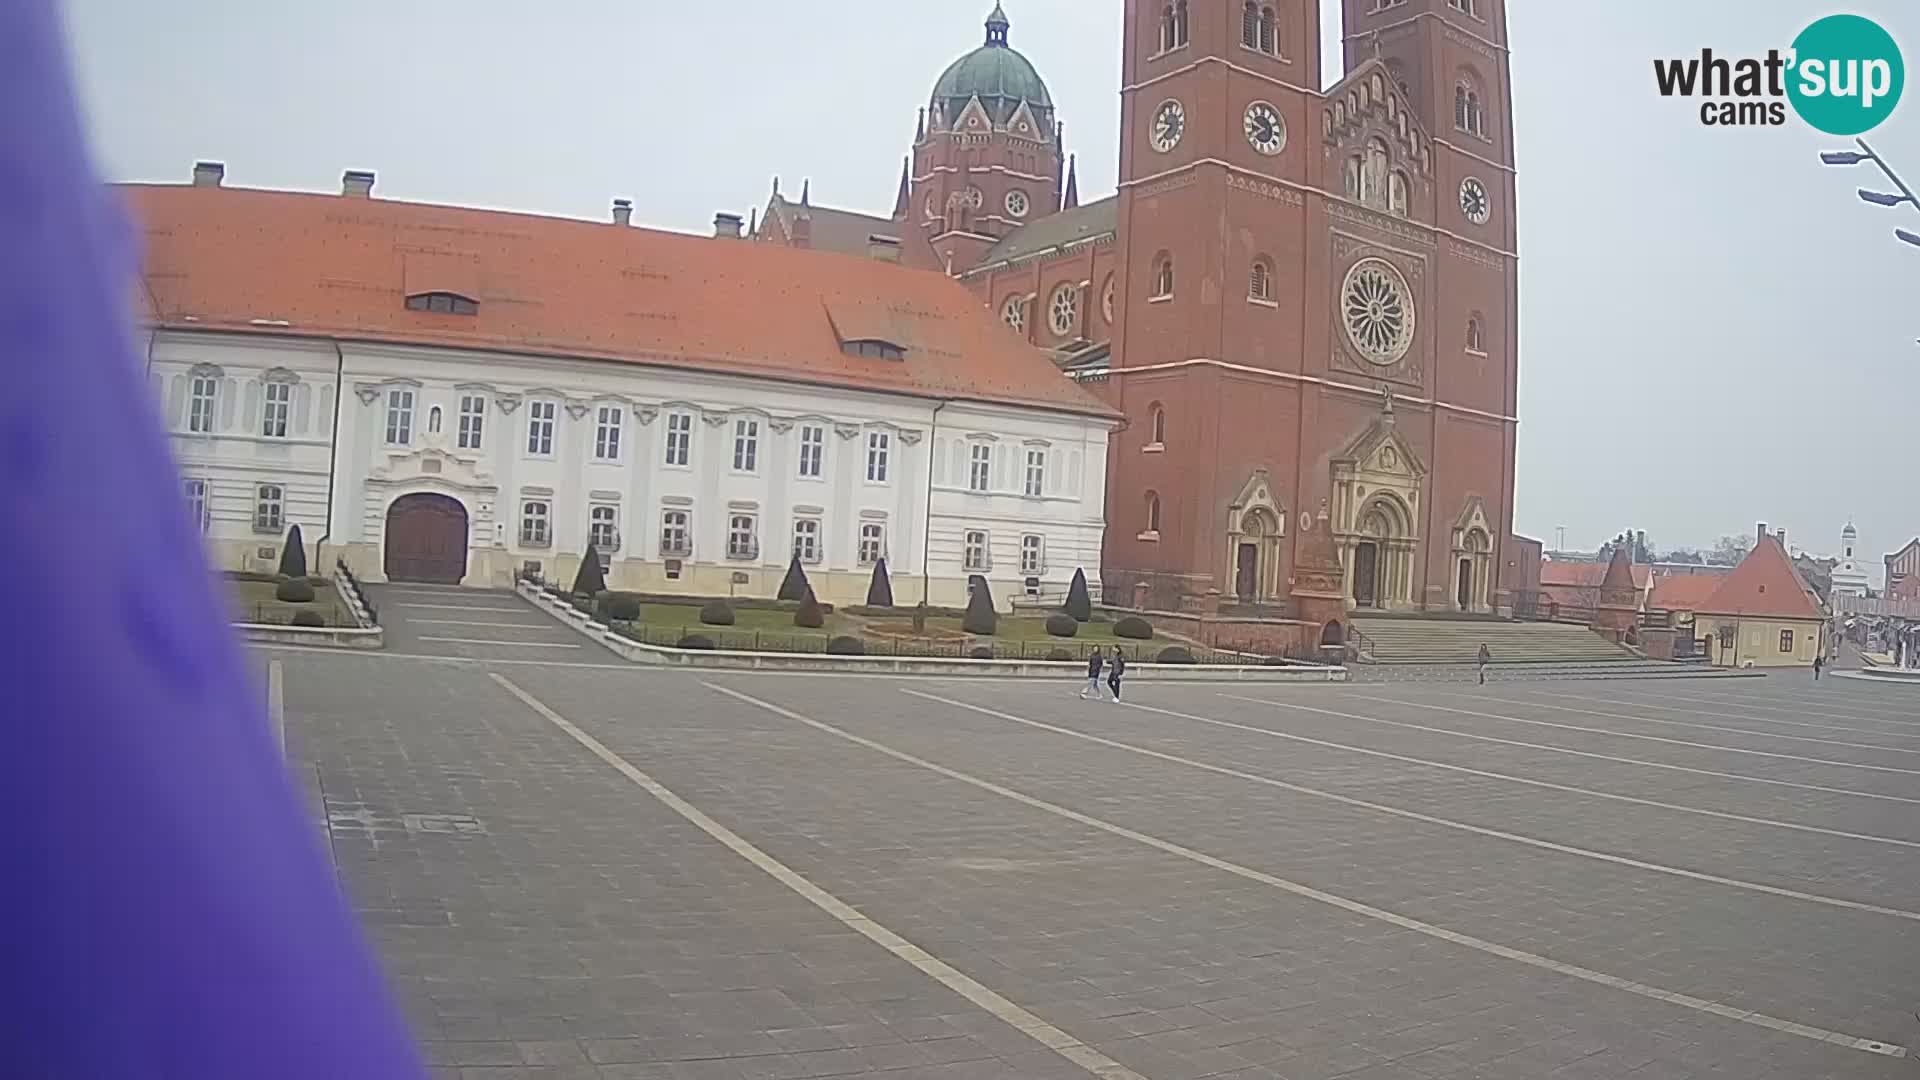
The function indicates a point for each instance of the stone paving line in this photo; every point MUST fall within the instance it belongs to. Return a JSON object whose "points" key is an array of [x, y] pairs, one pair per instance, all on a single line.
{"points": [[1715, 773], [1905, 721], [1697, 1004], [1415, 815], [1712, 727], [1019, 1019], [1903, 730]]}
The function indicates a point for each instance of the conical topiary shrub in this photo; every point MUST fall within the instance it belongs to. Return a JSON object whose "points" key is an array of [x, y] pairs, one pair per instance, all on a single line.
{"points": [[980, 618], [794, 586], [1079, 604], [809, 617], [591, 580], [293, 557], [880, 592]]}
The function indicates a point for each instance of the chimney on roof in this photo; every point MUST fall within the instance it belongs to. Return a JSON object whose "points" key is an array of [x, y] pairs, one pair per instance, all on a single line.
{"points": [[726, 226], [1781, 535], [1761, 538], [209, 173], [884, 248], [802, 230], [357, 184], [623, 211]]}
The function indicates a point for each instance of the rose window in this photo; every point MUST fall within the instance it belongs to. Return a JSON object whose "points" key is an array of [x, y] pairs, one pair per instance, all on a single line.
{"points": [[1064, 312], [1377, 310]]}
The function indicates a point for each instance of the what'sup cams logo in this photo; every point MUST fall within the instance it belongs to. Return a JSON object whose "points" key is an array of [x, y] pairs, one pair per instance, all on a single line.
{"points": [[1843, 75]]}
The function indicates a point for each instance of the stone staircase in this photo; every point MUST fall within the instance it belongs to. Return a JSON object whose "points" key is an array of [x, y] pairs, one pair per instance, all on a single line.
{"points": [[1441, 641]]}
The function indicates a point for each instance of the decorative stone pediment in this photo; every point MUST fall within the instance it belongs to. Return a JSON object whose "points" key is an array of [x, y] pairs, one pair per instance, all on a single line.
{"points": [[1369, 103], [1472, 519], [909, 437], [435, 466], [846, 431], [1255, 511], [1382, 455], [577, 408], [644, 414], [507, 403]]}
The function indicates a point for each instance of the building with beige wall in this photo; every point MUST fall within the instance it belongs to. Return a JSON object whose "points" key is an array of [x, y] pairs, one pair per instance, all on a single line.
{"points": [[1763, 614]]}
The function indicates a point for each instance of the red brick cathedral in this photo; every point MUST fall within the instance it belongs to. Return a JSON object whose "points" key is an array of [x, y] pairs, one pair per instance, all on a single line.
{"points": [[1304, 301]]}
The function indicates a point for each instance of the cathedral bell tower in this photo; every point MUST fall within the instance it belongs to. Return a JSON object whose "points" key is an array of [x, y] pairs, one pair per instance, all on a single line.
{"points": [[986, 155]]}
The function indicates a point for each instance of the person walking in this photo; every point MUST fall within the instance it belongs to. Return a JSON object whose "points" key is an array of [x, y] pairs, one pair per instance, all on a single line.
{"points": [[1480, 663], [1094, 664], [1819, 662], [1114, 671]]}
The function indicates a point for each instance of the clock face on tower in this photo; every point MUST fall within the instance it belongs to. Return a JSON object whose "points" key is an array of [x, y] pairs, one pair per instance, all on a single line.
{"points": [[1266, 129], [1169, 123], [1474, 201]]}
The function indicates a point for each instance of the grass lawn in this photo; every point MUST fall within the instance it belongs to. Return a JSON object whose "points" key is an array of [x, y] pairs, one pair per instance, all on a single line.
{"points": [[254, 603], [772, 630], [1032, 628]]}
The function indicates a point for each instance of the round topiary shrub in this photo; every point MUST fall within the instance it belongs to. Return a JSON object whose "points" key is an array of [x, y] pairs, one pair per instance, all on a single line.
{"points": [[717, 613], [1174, 654], [846, 646], [1059, 655], [294, 591], [694, 641], [1134, 628], [309, 618], [1062, 625], [621, 607], [810, 617], [981, 652]]}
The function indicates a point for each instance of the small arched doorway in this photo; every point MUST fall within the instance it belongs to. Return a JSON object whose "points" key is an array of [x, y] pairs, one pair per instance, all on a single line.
{"points": [[426, 540]]}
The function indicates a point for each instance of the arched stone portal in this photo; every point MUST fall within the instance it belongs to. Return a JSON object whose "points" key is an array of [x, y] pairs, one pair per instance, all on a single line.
{"points": [[426, 539]]}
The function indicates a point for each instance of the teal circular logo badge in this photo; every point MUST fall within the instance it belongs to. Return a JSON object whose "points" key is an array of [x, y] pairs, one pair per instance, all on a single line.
{"points": [[1847, 75]]}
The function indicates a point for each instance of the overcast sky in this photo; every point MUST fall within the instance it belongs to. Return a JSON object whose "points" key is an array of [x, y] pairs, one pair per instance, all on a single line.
{"points": [[1714, 331]]}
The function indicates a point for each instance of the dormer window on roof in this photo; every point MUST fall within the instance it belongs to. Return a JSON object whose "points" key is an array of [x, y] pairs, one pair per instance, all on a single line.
{"points": [[443, 303], [879, 350]]}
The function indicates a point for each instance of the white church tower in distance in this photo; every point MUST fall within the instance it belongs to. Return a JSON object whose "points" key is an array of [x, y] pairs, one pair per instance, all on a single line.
{"points": [[1848, 578]]}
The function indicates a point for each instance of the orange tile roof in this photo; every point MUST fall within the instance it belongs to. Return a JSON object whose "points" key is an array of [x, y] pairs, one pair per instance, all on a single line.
{"points": [[228, 259], [1588, 575], [1766, 585], [1683, 592]]}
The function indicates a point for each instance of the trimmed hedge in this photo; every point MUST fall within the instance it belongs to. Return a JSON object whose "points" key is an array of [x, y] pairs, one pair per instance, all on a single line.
{"points": [[717, 613], [981, 652], [794, 586], [294, 591], [1174, 654], [1079, 604], [809, 617], [869, 612], [293, 556], [1059, 654], [980, 618], [255, 576], [1133, 628], [694, 641], [737, 603], [591, 580], [308, 618], [623, 607], [846, 646], [880, 589], [1062, 626]]}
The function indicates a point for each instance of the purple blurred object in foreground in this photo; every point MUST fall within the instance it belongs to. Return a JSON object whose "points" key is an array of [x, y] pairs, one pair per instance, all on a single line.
{"points": [[165, 907]]}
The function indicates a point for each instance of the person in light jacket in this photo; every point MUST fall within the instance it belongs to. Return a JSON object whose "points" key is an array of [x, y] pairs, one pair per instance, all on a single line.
{"points": [[1094, 664]]}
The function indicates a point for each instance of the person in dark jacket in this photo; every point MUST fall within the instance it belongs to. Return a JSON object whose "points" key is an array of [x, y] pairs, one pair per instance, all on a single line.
{"points": [[1114, 671], [1481, 662], [1094, 664]]}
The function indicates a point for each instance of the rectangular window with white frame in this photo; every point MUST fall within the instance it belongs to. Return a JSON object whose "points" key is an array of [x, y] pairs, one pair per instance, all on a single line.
{"points": [[536, 523], [873, 543], [746, 445], [679, 439], [541, 417], [399, 418], [978, 552], [200, 405], [806, 539], [676, 534], [1033, 555], [879, 449], [606, 437], [278, 406], [980, 468], [603, 528], [1036, 472], [813, 451], [269, 508], [473, 418], [743, 536], [196, 491]]}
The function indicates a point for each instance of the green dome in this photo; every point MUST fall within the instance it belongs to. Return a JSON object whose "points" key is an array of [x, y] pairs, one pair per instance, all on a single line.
{"points": [[996, 74]]}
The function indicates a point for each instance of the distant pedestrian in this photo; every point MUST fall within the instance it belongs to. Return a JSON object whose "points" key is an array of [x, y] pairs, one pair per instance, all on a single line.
{"points": [[1094, 664], [1480, 663], [1114, 671], [1818, 663]]}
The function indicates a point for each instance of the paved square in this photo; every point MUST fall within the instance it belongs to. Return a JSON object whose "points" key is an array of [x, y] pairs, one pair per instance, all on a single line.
{"points": [[590, 870]]}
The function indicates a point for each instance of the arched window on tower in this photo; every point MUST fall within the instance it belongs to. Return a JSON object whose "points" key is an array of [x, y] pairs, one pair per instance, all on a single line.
{"points": [[1153, 516], [1468, 114], [1476, 335], [1397, 193], [1373, 178], [1250, 25], [1157, 425], [1179, 23], [1166, 29], [1269, 31], [1350, 176], [1260, 281], [1162, 277]]}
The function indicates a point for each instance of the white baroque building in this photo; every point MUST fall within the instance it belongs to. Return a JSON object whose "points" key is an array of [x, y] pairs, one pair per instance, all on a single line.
{"points": [[1849, 578], [451, 395]]}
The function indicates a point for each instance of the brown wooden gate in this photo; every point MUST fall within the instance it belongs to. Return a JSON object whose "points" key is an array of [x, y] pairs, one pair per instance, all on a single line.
{"points": [[426, 540]]}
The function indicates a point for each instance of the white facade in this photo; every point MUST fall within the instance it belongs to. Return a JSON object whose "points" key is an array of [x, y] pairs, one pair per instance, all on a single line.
{"points": [[539, 452], [1848, 577]]}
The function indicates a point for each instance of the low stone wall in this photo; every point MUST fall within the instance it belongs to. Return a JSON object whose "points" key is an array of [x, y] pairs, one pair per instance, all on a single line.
{"points": [[327, 637], [1268, 637], [910, 665]]}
